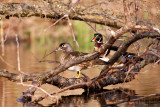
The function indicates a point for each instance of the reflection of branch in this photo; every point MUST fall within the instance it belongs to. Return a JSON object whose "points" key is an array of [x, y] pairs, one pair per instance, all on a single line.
{"points": [[135, 99]]}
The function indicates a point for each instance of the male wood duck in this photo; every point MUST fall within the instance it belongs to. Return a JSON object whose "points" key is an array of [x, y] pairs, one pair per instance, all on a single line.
{"points": [[98, 39], [68, 53]]}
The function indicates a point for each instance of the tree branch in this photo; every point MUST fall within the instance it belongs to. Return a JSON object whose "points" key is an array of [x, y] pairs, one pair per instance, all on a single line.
{"points": [[57, 9]]}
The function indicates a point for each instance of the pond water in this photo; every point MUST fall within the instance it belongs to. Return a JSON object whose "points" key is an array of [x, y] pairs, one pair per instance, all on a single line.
{"points": [[147, 82]]}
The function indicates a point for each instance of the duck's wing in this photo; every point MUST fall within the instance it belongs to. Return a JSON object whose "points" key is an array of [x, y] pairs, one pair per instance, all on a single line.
{"points": [[98, 61], [70, 55], [77, 54]]}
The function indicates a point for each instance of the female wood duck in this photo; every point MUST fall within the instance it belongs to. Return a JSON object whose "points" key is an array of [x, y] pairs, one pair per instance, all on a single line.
{"points": [[68, 53], [98, 39]]}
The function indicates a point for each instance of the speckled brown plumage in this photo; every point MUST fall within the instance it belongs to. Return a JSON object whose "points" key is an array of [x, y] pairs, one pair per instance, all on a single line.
{"points": [[68, 53]]}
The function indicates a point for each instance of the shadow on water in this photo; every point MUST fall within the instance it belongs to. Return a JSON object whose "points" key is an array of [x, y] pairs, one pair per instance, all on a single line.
{"points": [[120, 97]]}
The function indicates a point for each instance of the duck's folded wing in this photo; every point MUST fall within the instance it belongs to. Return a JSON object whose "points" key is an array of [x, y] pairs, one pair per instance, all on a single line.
{"points": [[98, 61], [71, 55], [77, 54]]}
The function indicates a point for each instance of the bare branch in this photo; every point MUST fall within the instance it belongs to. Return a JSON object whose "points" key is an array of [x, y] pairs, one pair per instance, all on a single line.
{"points": [[2, 36], [127, 12]]}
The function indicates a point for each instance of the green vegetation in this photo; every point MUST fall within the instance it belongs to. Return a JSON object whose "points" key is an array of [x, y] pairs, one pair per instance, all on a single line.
{"points": [[145, 14], [83, 36], [59, 33]]}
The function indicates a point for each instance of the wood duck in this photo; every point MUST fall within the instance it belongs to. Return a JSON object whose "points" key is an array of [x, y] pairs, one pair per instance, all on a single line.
{"points": [[98, 39], [68, 53]]}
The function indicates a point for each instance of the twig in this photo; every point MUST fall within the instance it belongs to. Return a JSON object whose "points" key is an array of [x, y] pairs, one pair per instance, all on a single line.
{"points": [[54, 23], [6, 35], [59, 91], [2, 36], [130, 69], [18, 60], [136, 11], [48, 54], [74, 38], [69, 22], [49, 61], [139, 27], [153, 53], [28, 85], [127, 12]]}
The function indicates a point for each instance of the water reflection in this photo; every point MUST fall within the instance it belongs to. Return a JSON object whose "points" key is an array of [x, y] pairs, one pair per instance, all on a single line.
{"points": [[104, 98]]}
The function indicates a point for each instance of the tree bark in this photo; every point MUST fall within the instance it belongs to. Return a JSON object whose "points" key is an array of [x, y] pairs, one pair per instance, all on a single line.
{"points": [[57, 9]]}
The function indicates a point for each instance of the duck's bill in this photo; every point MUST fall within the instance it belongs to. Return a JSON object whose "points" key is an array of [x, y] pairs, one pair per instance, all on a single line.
{"points": [[58, 49], [93, 40]]}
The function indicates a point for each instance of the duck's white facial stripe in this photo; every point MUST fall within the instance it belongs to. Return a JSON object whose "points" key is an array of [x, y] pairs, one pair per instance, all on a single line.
{"points": [[100, 40], [107, 52]]}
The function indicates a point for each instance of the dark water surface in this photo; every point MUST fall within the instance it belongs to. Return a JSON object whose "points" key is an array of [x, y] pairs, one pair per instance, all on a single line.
{"points": [[147, 82]]}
